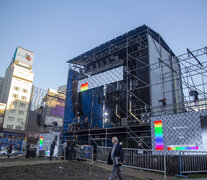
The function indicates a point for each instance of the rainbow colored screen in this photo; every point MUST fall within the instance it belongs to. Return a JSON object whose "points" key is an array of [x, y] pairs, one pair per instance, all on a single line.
{"points": [[183, 148], [41, 142], [84, 87], [158, 135]]}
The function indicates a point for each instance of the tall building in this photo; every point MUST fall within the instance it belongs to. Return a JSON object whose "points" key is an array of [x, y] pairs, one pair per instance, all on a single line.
{"points": [[16, 91], [1, 83]]}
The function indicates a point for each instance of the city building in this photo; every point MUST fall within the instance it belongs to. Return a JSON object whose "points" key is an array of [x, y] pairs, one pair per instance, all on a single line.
{"points": [[1, 83], [16, 93]]}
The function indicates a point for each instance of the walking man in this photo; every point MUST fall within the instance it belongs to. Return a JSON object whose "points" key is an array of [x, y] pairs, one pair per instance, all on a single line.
{"points": [[52, 147], [116, 158]]}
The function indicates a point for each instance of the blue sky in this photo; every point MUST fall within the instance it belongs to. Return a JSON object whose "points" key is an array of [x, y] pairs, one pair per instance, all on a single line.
{"points": [[58, 30]]}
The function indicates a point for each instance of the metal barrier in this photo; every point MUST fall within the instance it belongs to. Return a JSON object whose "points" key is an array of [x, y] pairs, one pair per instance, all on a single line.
{"points": [[193, 162], [136, 158], [61, 152], [102, 153], [84, 152]]}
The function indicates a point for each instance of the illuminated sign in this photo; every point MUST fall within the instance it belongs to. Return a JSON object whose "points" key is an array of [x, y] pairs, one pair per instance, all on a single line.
{"points": [[2, 111], [182, 148], [158, 135], [41, 142], [101, 79], [23, 57], [84, 87]]}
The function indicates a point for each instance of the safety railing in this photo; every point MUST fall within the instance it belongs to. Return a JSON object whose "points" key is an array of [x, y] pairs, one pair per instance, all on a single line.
{"points": [[85, 152], [135, 158], [193, 162], [61, 152]]}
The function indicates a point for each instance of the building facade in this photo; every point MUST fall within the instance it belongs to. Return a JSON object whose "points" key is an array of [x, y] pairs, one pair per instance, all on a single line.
{"points": [[16, 92]]}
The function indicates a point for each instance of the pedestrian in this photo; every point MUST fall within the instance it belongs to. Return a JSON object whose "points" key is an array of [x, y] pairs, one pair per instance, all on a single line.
{"points": [[68, 149], [52, 147], [85, 123], [28, 151], [9, 150], [64, 149], [116, 158]]}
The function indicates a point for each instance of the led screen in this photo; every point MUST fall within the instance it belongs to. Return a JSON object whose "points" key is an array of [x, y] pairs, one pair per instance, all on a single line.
{"points": [[101, 79]]}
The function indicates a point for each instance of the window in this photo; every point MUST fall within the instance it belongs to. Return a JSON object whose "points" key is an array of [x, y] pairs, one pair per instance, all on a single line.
{"points": [[4, 135], [14, 103], [20, 120], [13, 111], [10, 118], [16, 88], [18, 127], [24, 90], [9, 126], [23, 97], [22, 104], [21, 112], [15, 95]]}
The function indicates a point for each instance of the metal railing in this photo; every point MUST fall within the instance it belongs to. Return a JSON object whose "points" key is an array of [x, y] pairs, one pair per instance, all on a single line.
{"points": [[193, 162], [85, 152], [61, 152], [137, 158]]}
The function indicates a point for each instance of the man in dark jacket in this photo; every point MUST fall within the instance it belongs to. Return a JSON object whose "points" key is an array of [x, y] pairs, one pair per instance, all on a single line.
{"points": [[9, 150], [116, 158], [52, 147]]}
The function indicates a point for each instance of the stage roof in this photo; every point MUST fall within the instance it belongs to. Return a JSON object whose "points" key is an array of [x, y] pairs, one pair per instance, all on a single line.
{"points": [[83, 58]]}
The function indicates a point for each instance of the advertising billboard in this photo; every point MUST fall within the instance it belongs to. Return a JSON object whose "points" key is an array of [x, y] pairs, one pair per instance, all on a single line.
{"points": [[23, 57], [2, 112], [185, 131]]}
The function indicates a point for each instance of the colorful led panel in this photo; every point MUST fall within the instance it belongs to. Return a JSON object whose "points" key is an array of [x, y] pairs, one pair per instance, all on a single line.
{"points": [[41, 142], [84, 87], [158, 135], [182, 148]]}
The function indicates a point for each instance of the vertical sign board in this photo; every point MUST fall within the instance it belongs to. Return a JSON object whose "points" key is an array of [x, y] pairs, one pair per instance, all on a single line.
{"points": [[2, 112], [41, 142], [158, 135]]}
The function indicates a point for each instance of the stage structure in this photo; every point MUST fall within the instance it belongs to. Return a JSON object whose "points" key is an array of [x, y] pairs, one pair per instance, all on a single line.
{"points": [[116, 88]]}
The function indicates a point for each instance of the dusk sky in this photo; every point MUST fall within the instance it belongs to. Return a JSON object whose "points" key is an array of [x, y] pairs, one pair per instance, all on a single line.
{"points": [[58, 30]]}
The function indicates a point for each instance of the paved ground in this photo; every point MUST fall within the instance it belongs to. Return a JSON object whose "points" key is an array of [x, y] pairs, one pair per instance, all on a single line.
{"points": [[136, 173]]}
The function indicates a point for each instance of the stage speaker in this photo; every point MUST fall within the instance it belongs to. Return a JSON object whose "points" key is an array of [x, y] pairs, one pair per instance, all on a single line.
{"points": [[39, 119], [54, 123]]}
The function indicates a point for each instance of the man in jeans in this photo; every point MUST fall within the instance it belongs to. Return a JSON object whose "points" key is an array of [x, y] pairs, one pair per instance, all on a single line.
{"points": [[116, 158]]}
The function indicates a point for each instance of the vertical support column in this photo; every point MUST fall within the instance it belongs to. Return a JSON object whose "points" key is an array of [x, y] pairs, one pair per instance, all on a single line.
{"points": [[127, 79], [104, 105], [92, 108], [106, 138]]}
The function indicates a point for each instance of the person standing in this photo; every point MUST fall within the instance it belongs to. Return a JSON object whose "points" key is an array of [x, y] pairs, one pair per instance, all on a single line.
{"points": [[9, 150], [52, 147], [28, 151], [116, 158]]}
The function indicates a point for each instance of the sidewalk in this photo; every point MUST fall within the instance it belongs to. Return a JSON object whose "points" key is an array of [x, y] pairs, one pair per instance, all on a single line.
{"points": [[135, 172], [143, 174]]}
